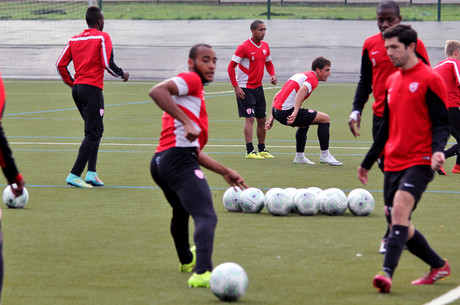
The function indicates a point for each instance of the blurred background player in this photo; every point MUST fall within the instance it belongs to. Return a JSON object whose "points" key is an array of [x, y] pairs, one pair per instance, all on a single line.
{"points": [[286, 110], [175, 167], [250, 59], [413, 148], [92, 53], [9, 170], [449, 71], [375, 69]]}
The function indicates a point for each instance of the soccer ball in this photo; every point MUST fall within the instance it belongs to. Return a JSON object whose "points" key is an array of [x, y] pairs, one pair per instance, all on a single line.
{"points": [[229, 282], [333, 201], [252, 200], [15, 202], [292, 191], [275, 189], [304, 202], [231, 199], [278, 203], [360, 202]]}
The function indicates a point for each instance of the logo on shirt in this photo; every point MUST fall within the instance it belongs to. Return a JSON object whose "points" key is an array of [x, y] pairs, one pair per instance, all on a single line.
{"points": [[199, 174], [264, 51], [413, 87], [375, 52]]}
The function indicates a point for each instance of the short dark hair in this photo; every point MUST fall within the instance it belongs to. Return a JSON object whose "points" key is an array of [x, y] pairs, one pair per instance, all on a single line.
{"points": [[255, 24], [320, 62], [194, 50], [389, 5], [405, 33], [93, 15]]}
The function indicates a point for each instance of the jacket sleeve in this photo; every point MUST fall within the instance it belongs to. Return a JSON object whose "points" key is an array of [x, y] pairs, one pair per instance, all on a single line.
{"points": [[108, 57], [439, 119], [364, 88], [61, 65]]}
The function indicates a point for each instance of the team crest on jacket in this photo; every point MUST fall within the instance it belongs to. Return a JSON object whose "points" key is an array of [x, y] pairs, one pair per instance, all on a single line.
{"points": [[199, 173], [413, 87], [264, 51]]}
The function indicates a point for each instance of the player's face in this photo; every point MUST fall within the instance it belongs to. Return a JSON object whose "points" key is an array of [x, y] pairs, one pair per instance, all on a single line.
{"points": [[323, 74], [397, 51], [387, 18], [259, 33], [204, 64]]}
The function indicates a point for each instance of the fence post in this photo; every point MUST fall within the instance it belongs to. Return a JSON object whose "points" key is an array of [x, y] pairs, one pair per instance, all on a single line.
{"points": [[439, 10], [100, 4], [268, 9]]}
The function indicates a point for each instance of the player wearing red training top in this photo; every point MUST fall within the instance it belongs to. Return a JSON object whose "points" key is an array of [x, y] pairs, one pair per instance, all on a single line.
{"points": [[413, 135], [175, 167], [91, 53], [286, 110], [250, 59], [449, 70], [9, 170]]}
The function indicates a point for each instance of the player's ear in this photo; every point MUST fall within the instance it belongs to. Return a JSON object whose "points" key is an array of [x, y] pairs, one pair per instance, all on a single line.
{"points": [[191, 64]]}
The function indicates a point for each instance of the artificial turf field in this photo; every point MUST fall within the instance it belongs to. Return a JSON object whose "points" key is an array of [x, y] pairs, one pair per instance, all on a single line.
{"points": [[111, 245]]}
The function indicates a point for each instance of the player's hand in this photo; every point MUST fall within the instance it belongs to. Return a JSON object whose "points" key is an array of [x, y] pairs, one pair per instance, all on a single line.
{"points": [[437, 160], [239, 92], [191, 133], [355, 117], [17, 191], [125, 76], [234, 179], [291, 118], [273, 80], [362, 175], [269, 123]]}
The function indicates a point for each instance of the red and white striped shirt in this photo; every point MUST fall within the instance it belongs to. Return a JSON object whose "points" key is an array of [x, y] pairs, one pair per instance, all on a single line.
{"points": [[191, 100], [285, 99], [448, 69]]}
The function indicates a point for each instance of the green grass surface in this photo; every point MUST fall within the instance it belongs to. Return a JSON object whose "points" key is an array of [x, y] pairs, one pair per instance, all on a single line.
{"points": [[198, 11], [112, 245]]}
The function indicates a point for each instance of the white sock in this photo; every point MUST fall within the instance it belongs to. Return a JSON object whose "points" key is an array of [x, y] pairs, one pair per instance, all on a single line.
{"points": [[325, 153], [299, 155]]}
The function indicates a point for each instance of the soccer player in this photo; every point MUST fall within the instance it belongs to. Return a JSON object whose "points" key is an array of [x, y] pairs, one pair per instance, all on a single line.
{"points": [[375, 69], [175, 167], [448, 69], [286, 110], [9, 170], [250, 59], [91, 52], [413, 147]]}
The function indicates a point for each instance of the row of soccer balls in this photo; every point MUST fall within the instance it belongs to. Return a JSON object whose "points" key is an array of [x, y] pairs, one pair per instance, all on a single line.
{"points": [[307, 202]]}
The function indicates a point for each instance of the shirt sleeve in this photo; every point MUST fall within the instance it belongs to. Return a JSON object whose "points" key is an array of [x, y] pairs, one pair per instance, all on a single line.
{"points": [[435, 98], [61, 65], [364, 88]]}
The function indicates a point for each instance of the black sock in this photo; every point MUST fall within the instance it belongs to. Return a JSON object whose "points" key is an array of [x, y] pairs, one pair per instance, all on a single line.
{"points": [[301, 139], [261, 147], [249, 147], [419, 246], [395, 246], [323, 135]]}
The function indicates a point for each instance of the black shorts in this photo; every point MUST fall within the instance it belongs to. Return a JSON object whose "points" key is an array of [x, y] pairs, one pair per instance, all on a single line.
{"points": [[253, 104], [304, 117], [413, 180]]}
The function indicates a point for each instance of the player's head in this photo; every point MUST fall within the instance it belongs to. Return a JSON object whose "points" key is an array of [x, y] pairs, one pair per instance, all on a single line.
{"points": [[322, 68], [452, 49], [95, 18], [202, 60], [400, 42], [258, 30], [388, 14]]}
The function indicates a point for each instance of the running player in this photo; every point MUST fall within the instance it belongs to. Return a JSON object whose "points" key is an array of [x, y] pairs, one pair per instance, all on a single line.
{"points": [[286, 110], [175, 167], [251, 57], [375, 69], [448, 69], [91, 52], [413, 147]]}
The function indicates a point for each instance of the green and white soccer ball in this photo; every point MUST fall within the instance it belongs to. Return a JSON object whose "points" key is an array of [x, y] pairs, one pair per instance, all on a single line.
{"points": [[229, 282], [231, 199], [292, 191], [15, 202], [333, 201], [278, 202], [304, 202], [360, 202], [252, 200]]}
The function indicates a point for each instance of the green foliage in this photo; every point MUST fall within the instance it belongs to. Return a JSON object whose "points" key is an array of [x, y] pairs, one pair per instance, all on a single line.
{"points": [[112, 245]]}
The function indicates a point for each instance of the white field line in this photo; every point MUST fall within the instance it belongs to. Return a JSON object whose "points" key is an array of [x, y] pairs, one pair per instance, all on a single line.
{"points": [[446, 298]]}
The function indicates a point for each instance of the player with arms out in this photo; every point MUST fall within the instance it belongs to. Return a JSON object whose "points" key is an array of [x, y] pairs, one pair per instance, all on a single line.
{"points": [[286, 110], [92, 53], [449, 70], [175, 167], [250, 59], [413, 148]]}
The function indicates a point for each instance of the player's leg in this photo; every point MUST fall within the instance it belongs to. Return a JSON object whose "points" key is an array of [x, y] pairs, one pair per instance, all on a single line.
{"points": [[303, 120], [246, 109], [323, 121], [454, 118], [1, 256], [98, 129], [260, 110]]}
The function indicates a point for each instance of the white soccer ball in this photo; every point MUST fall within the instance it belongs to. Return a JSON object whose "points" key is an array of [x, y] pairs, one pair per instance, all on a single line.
{"points": [[15, 202], [229, 282], [231, 199], [275, 189], [360, 202], [278, 203], [252, 200], [292, 191], [333, 201], [304, 202]]}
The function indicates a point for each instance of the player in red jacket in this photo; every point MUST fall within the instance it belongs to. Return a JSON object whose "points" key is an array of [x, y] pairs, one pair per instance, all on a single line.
{"points": [[414, 132], [92, 54]]}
